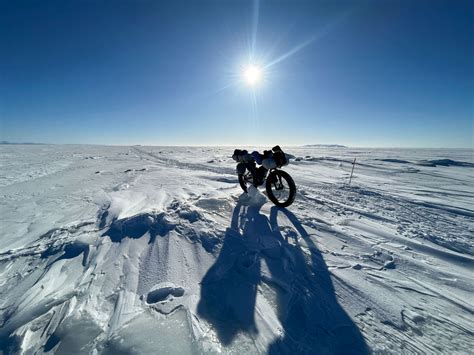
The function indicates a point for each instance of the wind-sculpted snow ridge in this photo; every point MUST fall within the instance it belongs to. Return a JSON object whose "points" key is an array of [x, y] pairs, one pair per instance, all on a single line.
{"points": [[156, 250], [431, 163]]}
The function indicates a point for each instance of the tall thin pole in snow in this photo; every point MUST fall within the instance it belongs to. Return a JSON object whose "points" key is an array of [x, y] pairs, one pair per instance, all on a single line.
{"points": [[353, 164]]}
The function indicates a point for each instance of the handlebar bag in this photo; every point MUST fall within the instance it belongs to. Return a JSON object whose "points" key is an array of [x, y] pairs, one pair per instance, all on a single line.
{"points": [[279, 156]]}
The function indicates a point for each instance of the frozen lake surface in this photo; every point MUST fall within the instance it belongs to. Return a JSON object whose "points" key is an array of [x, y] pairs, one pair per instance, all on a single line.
{"points": [[156, 250]]}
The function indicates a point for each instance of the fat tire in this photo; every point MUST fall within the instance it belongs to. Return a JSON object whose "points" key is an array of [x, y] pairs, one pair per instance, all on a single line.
{"points": [[291, 184]]}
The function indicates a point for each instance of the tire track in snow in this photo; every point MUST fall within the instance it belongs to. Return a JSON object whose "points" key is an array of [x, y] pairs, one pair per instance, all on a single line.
{"points": [[187, 166], [336, 203]]}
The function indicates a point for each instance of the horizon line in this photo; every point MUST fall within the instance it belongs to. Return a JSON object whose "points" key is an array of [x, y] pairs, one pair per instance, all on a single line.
{"points": [[311, 145]]}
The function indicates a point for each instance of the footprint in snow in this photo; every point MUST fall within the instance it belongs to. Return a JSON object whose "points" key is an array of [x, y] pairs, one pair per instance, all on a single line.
{"points": [[389, 264], [164, 291]]}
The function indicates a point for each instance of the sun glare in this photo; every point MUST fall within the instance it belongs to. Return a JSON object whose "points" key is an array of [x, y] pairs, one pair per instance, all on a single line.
{"points": [[252, 75]]}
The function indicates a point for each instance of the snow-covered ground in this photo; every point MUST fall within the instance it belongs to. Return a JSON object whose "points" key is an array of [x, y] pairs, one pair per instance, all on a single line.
{"points": [[156, 250]]}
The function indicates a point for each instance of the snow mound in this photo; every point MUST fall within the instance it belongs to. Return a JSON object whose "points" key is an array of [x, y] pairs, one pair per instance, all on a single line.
{"points": [[253, 197], [390, 160], [139, 225], [445, 162]]}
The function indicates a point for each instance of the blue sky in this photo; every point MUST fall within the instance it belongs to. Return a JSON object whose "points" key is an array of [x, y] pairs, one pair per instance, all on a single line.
{"points": [[360, 73]]}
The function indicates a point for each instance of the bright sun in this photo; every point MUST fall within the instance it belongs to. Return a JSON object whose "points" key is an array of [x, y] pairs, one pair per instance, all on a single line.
{"points": [[252, 75]]}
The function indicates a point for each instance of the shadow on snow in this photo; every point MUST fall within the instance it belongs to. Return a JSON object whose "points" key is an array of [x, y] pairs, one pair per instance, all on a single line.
{"points": [[307, 308]]}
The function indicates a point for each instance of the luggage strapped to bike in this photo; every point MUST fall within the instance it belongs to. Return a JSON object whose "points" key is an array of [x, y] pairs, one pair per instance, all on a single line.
{"points": [[279, 156]]}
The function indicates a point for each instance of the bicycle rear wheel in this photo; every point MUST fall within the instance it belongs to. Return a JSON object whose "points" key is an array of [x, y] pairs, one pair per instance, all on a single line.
{"points": [[245, 180]]}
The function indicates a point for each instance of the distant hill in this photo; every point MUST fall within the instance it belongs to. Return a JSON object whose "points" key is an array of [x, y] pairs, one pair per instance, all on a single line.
{"points": [[324, 146], [16, 143]]}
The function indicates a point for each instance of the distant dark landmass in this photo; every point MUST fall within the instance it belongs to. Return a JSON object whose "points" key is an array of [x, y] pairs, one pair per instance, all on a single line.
{"points": [[16, 143], [325, 146]]}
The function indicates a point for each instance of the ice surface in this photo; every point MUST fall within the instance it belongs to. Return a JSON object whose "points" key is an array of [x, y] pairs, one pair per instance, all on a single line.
{"points": [[157, 250]]}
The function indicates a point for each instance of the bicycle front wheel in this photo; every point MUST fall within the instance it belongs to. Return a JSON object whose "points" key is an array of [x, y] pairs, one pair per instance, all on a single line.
{"points": [[281, 188]]}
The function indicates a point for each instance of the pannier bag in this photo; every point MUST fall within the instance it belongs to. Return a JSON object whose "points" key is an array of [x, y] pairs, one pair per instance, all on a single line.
{"points": [[240, 168], [279, 156], [242, 156], [269, 163]]}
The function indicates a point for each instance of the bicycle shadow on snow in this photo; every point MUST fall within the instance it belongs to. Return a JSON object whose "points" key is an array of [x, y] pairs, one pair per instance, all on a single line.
{"points": [[307, 308]]}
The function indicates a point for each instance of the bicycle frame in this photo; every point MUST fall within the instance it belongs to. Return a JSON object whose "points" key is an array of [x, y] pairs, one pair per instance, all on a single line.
{"points": [[248, 176]]}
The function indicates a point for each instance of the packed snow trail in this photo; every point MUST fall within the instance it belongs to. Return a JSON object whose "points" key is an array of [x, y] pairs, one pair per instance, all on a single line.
{"points": [[156, 250]]}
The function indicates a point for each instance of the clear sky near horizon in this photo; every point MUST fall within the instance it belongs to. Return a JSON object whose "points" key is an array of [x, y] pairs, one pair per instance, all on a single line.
{"points": [[358, 73]]}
